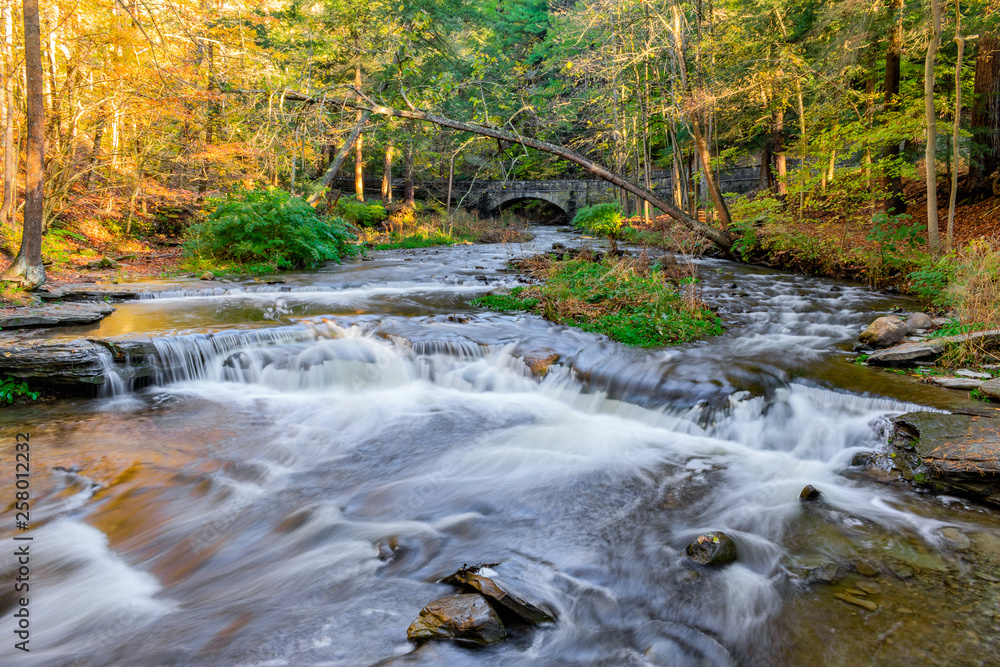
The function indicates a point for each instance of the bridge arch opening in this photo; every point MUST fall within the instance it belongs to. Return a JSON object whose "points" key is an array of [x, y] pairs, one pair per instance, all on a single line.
{"points": [[535, 210]]}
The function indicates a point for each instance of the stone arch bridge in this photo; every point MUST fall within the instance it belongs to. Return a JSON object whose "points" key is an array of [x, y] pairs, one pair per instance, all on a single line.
{"points": [[569, 195]]}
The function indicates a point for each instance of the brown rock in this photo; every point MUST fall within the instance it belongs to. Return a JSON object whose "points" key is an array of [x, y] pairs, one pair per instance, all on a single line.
{"points": [[715, 548], [918, 321], [503, 587], [991, 390], [857, 602], [884, 331], [208, 275], [809, 492], [464, 617], [540, 365]]}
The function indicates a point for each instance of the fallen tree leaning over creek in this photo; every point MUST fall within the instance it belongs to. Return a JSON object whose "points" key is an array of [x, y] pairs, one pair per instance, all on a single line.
{"points": [[720, 237]]}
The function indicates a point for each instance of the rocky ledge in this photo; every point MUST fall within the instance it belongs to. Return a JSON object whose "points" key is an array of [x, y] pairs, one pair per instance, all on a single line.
{"points": [[955, 454], [54, 315], [75, 366]]}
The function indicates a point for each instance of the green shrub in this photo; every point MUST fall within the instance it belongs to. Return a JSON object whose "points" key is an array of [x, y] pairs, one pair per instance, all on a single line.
{"points": [[359, 213], [268, 227], [12, 389], [604, 219]]}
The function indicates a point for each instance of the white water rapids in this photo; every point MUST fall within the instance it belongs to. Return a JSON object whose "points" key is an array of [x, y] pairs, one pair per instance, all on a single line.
{"points": [[291, 487]]}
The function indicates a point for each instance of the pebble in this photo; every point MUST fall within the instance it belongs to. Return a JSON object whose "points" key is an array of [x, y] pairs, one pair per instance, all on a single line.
{"points": [[857, 602], [869, 587]]}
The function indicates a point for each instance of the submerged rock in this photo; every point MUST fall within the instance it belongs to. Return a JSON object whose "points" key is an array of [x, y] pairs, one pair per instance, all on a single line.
{"points": [[884, 331], [715, 548], [465, 617], [504, 589]]}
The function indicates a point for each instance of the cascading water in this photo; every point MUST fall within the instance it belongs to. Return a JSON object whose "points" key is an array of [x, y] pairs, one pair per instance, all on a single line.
{"points": [[291, 494]]}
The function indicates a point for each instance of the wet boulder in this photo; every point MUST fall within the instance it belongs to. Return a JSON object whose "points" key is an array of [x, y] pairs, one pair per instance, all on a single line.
{"points": [[809, 492], [506, 587], [991, 389], [715, 548], [884, 332], [465, 617], [950, 453], [918, 321]]}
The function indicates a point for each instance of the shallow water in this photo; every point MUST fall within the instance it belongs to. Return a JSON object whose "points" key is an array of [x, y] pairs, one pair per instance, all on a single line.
{"points": [[314, 456]]}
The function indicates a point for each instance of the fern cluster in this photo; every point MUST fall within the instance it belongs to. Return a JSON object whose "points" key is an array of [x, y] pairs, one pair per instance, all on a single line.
{"points": [[269, 227]]}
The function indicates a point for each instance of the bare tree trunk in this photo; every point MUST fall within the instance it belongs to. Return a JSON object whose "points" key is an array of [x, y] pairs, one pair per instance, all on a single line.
{"points": [[720, 238], [713, 186], [409, 196], [359, 154], [387, 175], [893, 57], [27, 266], [953, 192], [778, 146], [986, 114], [95, 151], [9, 147], [451, 180], [933, 238], [338, 161]]}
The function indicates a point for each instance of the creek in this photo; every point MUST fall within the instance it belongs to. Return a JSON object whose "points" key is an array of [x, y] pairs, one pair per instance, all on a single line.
{"points": [[313, 457]]}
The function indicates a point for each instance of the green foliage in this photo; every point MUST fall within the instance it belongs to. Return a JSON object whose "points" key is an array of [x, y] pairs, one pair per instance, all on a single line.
{"points": [[629, 306], [12, 390], [931, 280], [604, 219], [359, 213], [418, 240], [506, 302], [268, 228]]}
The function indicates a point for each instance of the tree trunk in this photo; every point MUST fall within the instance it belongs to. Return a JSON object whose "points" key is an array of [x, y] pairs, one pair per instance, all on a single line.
{"points": [[893, 56], [778, 146], [949, 239], [27, 266], [9, 147], [338, 161], [387, 175], [359, 154], [409, 196], [933, 238], [95, 150], [720, 238], [710, 182], [986, 114], [451, 181]]}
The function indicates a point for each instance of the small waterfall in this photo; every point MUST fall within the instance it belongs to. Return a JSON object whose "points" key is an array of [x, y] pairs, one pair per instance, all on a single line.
{"points": [[114, 385]]}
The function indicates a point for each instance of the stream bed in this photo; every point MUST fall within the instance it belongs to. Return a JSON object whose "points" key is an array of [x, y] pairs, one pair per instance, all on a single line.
{"points": [[312, 458]]}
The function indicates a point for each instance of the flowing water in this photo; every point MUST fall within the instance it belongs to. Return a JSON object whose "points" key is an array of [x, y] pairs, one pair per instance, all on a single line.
{"points": [[314, 456]]}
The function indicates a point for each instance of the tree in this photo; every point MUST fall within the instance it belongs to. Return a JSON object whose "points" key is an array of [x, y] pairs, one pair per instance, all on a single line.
{"points": [[986, 115], [893, 57], [27, 267], [9, 145], [933, 237]]}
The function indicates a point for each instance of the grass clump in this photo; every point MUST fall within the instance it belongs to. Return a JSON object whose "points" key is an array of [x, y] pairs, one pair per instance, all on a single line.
{"points": [[506, 302], [625, 299], [267, 230]]}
